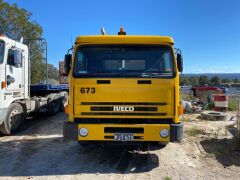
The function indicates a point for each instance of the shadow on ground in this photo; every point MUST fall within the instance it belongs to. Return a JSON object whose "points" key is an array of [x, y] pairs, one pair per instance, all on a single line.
{"points": [[52, 156], [35, 124], [226, 151]]}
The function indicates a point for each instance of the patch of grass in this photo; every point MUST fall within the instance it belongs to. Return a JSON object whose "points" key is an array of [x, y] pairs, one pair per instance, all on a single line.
{"points": [[187, 97], [209, 106], [232, 104], [194, 131], [167, 178], [184, 119]]}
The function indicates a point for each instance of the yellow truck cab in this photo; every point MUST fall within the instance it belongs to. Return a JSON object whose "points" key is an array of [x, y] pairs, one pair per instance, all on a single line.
{"points": [[123, 88]]}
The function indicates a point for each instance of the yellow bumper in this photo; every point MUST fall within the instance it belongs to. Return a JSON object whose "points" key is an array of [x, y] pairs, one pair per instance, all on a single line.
{"points": [[141, 132]]}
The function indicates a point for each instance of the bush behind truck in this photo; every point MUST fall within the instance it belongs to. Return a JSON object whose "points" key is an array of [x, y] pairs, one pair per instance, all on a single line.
{"points": [[123, 88]]}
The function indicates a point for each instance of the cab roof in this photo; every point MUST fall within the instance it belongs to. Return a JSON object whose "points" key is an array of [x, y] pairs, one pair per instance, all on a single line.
{"points": [[124, 39]]}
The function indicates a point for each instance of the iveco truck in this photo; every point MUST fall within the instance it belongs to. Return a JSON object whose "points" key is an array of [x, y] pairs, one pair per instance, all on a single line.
{"points": [[123, 88], [17, 97]]}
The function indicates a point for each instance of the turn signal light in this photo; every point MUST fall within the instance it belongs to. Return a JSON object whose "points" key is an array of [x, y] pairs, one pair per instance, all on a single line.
{"points": [[180, 110], [66, 109], [3, 84]]}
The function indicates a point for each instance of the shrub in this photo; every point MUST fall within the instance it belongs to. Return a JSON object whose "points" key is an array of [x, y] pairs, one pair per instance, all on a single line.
{"points": [[232, 104]]}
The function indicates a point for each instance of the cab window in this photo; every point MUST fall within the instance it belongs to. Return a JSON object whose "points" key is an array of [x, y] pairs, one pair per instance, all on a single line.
{"points": [[14, 57]]}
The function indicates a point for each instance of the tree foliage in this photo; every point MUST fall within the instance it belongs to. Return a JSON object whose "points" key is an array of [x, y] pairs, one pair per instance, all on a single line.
{"points": [[215, 81], [203, 80], [15, 23], [196, 80], [193, 80], [183, 80], [53, 72], [225, 80]]}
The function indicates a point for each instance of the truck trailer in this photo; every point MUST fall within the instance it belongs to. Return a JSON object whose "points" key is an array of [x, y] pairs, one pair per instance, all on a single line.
{"points": [[123, 88], [17, 97]]}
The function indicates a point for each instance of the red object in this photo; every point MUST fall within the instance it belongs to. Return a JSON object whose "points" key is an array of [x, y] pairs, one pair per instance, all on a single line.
{"points": [[221, 102], [220, 97], [208, 88], [63, 76]]}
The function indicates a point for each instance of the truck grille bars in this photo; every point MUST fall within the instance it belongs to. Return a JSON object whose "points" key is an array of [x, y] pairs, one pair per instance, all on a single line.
{"points": [[125, 103], [124, 108], [123, 121]]}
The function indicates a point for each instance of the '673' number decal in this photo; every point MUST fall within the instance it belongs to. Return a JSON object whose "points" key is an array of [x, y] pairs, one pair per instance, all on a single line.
{"points": [[87, 90]]}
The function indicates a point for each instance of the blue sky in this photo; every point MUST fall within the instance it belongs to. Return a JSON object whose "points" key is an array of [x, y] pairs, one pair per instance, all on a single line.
{"points": [[207, 31]]}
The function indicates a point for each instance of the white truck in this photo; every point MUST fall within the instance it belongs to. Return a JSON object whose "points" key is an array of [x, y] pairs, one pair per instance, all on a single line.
{"points": [[17, 97]]}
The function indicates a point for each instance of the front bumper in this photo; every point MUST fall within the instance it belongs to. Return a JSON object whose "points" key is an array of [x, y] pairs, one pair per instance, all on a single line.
{"points": [[141, 132], [3, 113]]}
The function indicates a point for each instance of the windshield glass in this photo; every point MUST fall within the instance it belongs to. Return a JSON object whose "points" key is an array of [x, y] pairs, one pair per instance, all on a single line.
{"points": [[123, 61], [2, 47]]}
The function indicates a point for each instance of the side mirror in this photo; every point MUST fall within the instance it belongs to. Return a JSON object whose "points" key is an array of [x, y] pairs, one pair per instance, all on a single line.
{"points": [[67, 63], [180, 62]]}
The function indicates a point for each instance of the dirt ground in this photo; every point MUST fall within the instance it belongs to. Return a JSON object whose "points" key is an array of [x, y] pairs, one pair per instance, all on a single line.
{"points": [[37, 151]]}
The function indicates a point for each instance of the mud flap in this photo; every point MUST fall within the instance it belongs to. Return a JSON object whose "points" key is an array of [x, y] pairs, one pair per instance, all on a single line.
{"points": [[70, 131], [176, 132]]}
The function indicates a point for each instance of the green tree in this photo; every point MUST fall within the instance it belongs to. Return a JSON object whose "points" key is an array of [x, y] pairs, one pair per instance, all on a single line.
{"points": [[203, 80], [215, 81], [16, 22], [53, 72], [183, 80], [225, 80], [236, 80], [193, 80]]}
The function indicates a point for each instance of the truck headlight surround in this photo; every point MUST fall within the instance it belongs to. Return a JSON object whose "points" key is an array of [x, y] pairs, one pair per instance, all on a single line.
{"points": [[83, 132], [164, 133]]}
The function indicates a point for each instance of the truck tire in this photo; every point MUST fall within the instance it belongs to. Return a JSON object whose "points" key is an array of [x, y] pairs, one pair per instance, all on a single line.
{"points": [[64, 99], [54, 104], [14, 118]]}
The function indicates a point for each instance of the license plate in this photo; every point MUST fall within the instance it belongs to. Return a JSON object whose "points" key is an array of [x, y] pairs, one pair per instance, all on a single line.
{"points": [[123, 137]]}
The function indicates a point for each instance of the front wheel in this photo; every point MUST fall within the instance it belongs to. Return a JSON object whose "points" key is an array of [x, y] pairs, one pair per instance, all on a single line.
{"points": [[14, 118]]}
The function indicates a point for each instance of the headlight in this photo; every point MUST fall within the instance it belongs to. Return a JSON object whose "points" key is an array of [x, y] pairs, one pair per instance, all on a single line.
{"points": [[164, 133], [83, 132]]}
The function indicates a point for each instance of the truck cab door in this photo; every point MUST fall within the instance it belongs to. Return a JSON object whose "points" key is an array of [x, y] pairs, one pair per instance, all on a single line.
{"points": [[14, 73]]}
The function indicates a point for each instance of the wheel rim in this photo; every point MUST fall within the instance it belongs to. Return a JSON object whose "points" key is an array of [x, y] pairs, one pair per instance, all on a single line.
{"points": [[14, 119]]}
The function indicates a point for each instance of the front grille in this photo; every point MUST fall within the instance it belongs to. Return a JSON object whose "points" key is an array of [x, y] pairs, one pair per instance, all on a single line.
{"points": [[124, 108], [123, 130], [125, 103], [122, 121], [123, 114], [110, 108]]}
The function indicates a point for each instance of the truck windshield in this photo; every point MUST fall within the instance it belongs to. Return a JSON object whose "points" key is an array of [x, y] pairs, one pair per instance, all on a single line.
{"points": [[2, 48], [124, 61]]}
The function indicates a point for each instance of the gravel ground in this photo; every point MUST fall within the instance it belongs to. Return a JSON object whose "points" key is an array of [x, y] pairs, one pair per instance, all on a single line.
{"points": [[37, 151]]}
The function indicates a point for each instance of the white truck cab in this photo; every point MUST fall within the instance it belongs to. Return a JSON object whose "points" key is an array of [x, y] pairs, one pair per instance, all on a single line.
{"points": [[13, 74], [15, 100]]}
